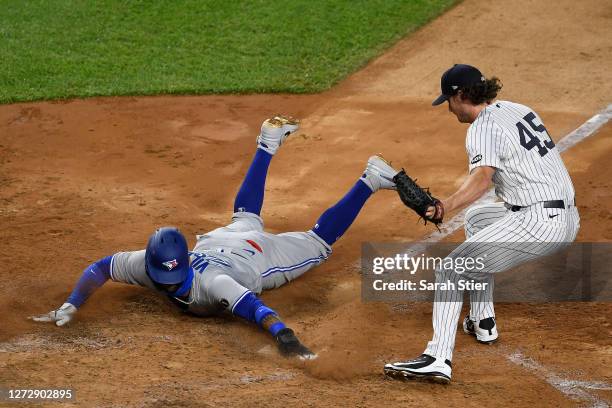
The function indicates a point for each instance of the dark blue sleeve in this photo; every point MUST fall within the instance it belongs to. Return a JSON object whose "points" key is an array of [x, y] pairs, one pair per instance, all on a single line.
{"points": [[94, 276], [251, 308]]}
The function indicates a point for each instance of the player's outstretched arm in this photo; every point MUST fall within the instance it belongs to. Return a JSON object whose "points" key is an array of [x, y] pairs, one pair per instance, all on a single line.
{"points": [[243, 303], [476, 184], [251, 308], [94, 276]]}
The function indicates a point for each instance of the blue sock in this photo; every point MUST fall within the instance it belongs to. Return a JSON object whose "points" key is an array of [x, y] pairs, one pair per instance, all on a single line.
{"points": [[251, 194], [334, 222]]}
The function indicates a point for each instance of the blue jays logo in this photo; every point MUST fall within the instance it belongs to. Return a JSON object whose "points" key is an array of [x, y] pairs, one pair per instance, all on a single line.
{"points": [[170, 264]]}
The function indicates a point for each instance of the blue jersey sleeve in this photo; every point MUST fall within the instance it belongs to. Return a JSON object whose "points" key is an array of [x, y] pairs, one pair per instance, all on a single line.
{"points": [[94, 276]]}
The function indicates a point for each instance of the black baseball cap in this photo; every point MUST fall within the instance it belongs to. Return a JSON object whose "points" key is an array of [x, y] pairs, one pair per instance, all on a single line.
{"points": [[459, 76]]}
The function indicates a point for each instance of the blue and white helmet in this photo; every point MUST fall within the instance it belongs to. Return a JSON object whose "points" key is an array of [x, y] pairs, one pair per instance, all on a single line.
{"points": [[167, 256]]}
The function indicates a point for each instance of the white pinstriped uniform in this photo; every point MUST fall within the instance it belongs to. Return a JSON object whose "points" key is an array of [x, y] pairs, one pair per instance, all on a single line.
{"points": [[524, 177], [529, 171]]}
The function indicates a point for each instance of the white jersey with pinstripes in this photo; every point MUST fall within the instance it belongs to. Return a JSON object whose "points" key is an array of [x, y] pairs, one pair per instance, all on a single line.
{"points": [[512, 138], [528, 172]]}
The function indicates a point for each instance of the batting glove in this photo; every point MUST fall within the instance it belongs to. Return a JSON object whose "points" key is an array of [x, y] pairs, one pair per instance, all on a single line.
{"points": [[60, 316], [290, 346]]}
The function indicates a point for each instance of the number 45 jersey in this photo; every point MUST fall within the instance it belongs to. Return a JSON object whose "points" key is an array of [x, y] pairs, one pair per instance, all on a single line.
{"points": [[513, 139]]}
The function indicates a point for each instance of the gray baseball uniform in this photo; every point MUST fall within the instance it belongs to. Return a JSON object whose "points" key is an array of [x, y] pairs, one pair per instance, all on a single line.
{"points": [[233, 260]]}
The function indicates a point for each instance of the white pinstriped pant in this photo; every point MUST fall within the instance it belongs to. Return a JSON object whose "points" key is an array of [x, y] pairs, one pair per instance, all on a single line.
{"points": [[510, 238]]}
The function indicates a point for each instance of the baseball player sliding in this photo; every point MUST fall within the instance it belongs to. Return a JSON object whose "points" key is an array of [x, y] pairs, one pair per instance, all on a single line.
{"points": [[229, 266], [508, 144]]}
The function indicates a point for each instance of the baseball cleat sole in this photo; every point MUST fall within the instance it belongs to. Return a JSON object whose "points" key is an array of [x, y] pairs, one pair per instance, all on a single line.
{"points": [[488, 342], [279, 121], [434, 377], [480, 341]]}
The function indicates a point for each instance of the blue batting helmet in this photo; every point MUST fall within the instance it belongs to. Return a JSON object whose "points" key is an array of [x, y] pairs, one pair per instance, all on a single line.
{"points": [[167, 256]]}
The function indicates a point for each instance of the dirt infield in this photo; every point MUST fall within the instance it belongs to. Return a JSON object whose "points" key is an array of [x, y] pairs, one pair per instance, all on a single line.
{"points": [[83, 179]]}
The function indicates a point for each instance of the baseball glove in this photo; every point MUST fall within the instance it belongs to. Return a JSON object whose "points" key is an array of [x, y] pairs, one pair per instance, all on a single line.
{"points": [[418, 199]]}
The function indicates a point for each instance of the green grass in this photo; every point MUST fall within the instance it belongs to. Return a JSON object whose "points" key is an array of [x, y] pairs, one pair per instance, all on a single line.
{"points": [[78, 48]]}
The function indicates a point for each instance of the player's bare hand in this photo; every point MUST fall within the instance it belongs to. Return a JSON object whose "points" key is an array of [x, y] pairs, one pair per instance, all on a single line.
{"points": [[60, 316], [435, 213], [290, 346]]}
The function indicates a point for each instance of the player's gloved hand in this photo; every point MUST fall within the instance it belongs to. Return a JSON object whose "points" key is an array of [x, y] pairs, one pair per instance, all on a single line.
{"points": [[60, 316], [418, 199], [290, 346]]}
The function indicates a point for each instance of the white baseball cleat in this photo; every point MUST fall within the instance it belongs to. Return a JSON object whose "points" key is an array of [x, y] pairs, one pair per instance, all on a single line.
{"points": [[274, 131], [425, 367], [379, 174], [484, 330]]}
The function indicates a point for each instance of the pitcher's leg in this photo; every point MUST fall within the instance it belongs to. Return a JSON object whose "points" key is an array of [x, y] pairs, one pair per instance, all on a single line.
{"points": [[481, 301], [448, 303], [477, 218], [445, 317], [496, 248]]}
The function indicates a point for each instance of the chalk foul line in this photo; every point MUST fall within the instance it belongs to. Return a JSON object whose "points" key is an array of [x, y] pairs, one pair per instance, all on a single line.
{"points": [[574, 389]]}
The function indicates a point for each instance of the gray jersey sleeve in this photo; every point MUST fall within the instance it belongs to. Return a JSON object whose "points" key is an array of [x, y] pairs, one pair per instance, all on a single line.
{"points": [[224, 290], [485, 144], [129, 267]]}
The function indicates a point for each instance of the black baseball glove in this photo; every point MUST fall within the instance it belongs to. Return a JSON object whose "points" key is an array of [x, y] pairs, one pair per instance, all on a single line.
{"points": [[290, 346], [418, 199]]}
